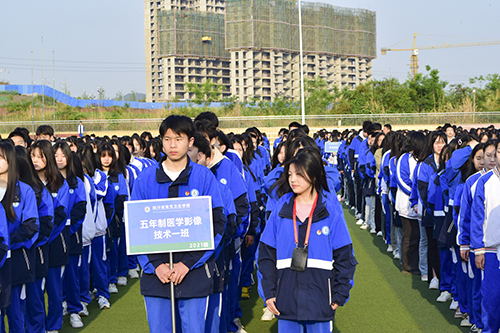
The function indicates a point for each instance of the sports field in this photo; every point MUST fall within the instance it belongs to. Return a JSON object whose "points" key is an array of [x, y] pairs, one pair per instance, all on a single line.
{"points": [[382, 300]]}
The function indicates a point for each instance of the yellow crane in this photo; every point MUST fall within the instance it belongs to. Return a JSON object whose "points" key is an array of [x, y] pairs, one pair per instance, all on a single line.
{"points": [[414, 50]]}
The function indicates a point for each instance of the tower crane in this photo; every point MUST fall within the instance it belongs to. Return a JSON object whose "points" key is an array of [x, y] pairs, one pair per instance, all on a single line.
{"points": [[414, 50]]}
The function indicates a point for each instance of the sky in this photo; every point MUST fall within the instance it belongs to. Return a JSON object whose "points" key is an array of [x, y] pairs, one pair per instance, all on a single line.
{"points": [[101, 42]]}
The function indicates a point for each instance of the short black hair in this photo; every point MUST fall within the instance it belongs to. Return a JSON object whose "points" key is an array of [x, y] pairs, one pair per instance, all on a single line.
{"points": [[20, 134], [388, 126], [366, 123], [202, 144], [204, 126], [293, 124], [45, 130], [210, 116], [178, 124]]}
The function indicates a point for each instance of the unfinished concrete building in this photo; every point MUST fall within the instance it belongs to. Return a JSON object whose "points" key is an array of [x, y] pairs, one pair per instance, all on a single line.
{"points": [[251, 47], [184, 43]]}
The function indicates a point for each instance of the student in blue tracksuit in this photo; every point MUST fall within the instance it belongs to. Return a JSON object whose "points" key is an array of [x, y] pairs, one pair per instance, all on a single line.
{"points": [[70, 167], [367, 170], [114, 199], [5, 269], [42, 155], [428, 167], [35, 301], [474, 297], [118, 260], [304, 282], [227, 174], [87, 158], [105, 211], [383, 190], [406, 163], [218, 307], [20, 204], [458, 151], [485, 241], [463, 204], [177, 176]]}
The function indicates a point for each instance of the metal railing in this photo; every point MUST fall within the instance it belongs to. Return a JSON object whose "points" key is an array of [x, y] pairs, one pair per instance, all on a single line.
{"points": [[334, 121]]}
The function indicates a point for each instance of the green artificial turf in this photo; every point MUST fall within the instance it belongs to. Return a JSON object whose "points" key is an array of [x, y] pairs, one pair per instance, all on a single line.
{"points": [[382, 300]]}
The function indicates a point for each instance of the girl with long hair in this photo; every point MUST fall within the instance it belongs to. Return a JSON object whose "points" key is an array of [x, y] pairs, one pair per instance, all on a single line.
{"points": [[109, 163], [305, 227], [42, 156], [119, 262], [20, 205], [87, 160], [406, 163], [73, 173], [35, 301]]}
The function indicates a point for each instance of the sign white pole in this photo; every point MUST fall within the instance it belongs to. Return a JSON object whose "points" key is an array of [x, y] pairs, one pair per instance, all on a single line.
{"points": [[172, 294]]}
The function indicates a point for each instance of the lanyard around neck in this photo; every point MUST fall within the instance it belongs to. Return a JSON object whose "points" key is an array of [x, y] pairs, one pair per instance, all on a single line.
{"points": [[295, 233]]}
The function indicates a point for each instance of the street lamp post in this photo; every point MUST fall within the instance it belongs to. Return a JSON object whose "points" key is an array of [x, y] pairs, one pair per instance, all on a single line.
{"points": [[302, 104], [474, 106]]}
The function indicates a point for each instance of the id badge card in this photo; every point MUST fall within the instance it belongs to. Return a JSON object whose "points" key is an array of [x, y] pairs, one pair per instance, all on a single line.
{"points": [[299, 259]]}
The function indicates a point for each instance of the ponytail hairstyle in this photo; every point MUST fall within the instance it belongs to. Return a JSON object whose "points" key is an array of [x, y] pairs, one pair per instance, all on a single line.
{"points": [[87, 158], [70, 168], [54, 178], [8, 153], [27, 173], [309, 163], [105, 148]]}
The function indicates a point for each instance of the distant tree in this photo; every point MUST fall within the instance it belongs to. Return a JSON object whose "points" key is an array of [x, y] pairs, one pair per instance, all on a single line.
{"points": [[317, 95], [84, 95], [119, 96], [133, 96], [205, 93]]}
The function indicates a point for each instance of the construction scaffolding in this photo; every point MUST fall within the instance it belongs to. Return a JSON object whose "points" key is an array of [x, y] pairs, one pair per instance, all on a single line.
{"points": [[191, 34], [327, 29]]}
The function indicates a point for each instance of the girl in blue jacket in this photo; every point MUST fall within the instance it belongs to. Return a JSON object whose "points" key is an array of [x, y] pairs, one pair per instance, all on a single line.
{"points": [[19, 202], [73, 173], [485, 241], [307, 272], [5, 279], [35, 301], [42, 155]]}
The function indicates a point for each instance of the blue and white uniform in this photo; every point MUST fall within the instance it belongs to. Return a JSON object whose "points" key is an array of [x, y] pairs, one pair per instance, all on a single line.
{"points": [[307, 296], [485, 240], [192, 294], [23, 233]]}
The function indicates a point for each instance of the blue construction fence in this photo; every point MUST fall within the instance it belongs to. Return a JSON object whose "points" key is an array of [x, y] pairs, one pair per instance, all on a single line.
{"points": [[26, 89]]}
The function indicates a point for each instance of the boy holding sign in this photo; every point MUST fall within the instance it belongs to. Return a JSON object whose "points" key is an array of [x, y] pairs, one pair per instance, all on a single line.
{"points": [[174, 177]]}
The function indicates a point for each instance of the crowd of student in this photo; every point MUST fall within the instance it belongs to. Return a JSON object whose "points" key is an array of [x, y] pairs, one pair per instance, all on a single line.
{"points": [[430, 195], [62, 226], [433, 196]]}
